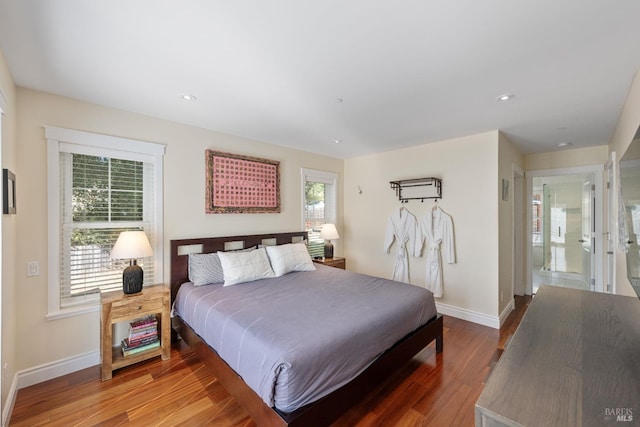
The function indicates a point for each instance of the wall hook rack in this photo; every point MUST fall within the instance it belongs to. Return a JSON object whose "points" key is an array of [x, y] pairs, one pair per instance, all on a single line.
{"points": [[417, 189]]}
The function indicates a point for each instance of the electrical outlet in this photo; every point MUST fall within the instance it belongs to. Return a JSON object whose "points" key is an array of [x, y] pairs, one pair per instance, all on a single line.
{"points": [[33, 268]]}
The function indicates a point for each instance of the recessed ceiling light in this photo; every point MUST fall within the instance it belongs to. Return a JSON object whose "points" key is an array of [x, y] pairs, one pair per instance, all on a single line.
{"points": [[565, 144], [188, 97], [506, 97], [337, 141]]}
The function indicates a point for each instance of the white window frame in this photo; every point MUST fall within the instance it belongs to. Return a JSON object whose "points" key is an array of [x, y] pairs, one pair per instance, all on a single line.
{"points": [[326, 178], [60, 139]]}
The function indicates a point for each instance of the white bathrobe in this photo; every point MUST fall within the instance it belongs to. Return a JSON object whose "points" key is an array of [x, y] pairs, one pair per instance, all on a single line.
{"points": [[402, 226], [436, 228]]}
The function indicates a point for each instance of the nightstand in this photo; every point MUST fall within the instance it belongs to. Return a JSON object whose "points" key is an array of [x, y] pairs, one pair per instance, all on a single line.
{"points": [[120, 307], [336, 262]]}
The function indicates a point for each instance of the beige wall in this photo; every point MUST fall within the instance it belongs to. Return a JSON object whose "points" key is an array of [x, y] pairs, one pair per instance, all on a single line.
{"points": [[622, 136], [629, 120], [9, 227], [468, 168], [508, 159], [563, 159], [183, 199]]}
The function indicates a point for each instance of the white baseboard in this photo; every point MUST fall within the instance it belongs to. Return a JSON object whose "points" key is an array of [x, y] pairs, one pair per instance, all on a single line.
{"points": [[45, 372], [507, 311], [471, 316], [57, 368], [7, 407]]}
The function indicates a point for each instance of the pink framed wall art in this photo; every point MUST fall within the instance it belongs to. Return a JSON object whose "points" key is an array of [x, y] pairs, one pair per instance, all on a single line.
{"points": [[241, 184]]}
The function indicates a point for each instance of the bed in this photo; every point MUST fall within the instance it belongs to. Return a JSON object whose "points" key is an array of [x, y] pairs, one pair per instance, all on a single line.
{"points": [[292, 394]]}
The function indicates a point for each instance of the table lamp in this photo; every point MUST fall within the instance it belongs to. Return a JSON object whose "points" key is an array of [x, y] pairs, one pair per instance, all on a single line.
{"points": [[132, 245], [328, 232]]}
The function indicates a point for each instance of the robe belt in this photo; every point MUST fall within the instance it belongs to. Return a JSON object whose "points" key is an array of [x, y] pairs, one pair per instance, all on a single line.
{"points": [[434, 246], [402, 252]]}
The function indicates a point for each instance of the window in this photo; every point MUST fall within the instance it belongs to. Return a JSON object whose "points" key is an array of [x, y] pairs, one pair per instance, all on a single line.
{"points": [[536, 217], [98, 187], [319, 205]]}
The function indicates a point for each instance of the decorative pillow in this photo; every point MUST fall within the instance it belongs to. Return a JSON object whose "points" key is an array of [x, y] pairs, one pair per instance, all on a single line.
{"points": [[240, 267], [290, 257], [205, 269]]}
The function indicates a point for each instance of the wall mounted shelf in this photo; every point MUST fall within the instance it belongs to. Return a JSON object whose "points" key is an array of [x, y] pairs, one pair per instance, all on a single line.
{"points": [[417, 189]]}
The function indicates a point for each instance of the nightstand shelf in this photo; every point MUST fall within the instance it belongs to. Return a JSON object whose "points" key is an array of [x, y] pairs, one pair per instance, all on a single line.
{"points": [[120, 307], [336, 262], [119, 361]]}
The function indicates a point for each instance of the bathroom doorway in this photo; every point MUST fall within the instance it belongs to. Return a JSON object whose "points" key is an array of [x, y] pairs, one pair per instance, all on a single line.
{"points": [[565, 217]]}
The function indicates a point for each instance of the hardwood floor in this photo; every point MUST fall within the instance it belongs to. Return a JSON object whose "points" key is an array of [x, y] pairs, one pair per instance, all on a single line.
{"points": [[431, 390]]}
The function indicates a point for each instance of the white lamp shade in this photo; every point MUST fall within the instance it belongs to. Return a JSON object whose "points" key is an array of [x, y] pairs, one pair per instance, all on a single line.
{"points": [[329, 232], [132, 245]]}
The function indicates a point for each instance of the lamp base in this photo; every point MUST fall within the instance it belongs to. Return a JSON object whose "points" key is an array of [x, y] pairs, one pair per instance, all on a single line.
{"points": [[328, 249], [132, 278]]}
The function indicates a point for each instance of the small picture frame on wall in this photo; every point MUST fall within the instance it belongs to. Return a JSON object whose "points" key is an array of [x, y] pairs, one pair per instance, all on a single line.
{"points": [[8, 192], [505, 190]]}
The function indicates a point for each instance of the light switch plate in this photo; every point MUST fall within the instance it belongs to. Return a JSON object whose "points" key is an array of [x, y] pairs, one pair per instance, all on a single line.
{"points": [[33, 268]]}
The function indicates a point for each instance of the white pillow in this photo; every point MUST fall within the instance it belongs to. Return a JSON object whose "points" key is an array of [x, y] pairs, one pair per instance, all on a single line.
{"points": [[240, 267], [290, 257]]}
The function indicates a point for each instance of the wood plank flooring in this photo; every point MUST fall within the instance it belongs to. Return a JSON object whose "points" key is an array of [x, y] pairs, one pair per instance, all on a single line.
{"points": [[431, 390]]}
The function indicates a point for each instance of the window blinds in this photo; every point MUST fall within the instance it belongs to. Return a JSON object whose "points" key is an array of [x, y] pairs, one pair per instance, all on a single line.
{"points": [[101, 196]]}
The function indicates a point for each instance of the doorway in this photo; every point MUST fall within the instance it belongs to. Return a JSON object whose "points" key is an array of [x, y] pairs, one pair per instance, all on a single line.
{"points": [[565, 219]]}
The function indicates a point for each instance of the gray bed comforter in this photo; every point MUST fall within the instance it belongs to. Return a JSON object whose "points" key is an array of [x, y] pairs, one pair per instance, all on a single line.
{"points": [[296, 338]]}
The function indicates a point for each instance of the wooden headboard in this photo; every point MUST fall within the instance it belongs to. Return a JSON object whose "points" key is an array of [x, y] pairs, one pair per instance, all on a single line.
{"points": [[180, 250]]}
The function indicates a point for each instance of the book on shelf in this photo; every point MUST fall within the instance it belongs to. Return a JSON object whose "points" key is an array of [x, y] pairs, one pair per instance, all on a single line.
{"points": [[128, 351], [143, 336], [127, 343], [145, 322]]}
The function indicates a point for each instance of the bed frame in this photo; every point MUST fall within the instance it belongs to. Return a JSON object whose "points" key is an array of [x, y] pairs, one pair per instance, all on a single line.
{"points": [[323, 411]]}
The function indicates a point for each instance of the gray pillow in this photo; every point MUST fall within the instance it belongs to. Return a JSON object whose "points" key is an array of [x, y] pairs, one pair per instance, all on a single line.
{"points": [[205, 269]]}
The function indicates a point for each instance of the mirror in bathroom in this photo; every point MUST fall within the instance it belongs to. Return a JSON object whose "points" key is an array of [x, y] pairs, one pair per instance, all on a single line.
{"points": [[630, 200]]}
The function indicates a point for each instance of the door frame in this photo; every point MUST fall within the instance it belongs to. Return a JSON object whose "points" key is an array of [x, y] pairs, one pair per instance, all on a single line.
{"points": [[611, 232], [598, 172], [518, 282], [588, 189]]}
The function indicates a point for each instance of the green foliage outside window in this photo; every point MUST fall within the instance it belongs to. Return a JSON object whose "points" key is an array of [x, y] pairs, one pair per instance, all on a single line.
{"points": [[314, 192], [104, 190], [315, 215]]}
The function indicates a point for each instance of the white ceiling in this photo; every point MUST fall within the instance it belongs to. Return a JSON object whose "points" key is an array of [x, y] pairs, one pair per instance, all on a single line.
{"points": [[407, 72]]}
